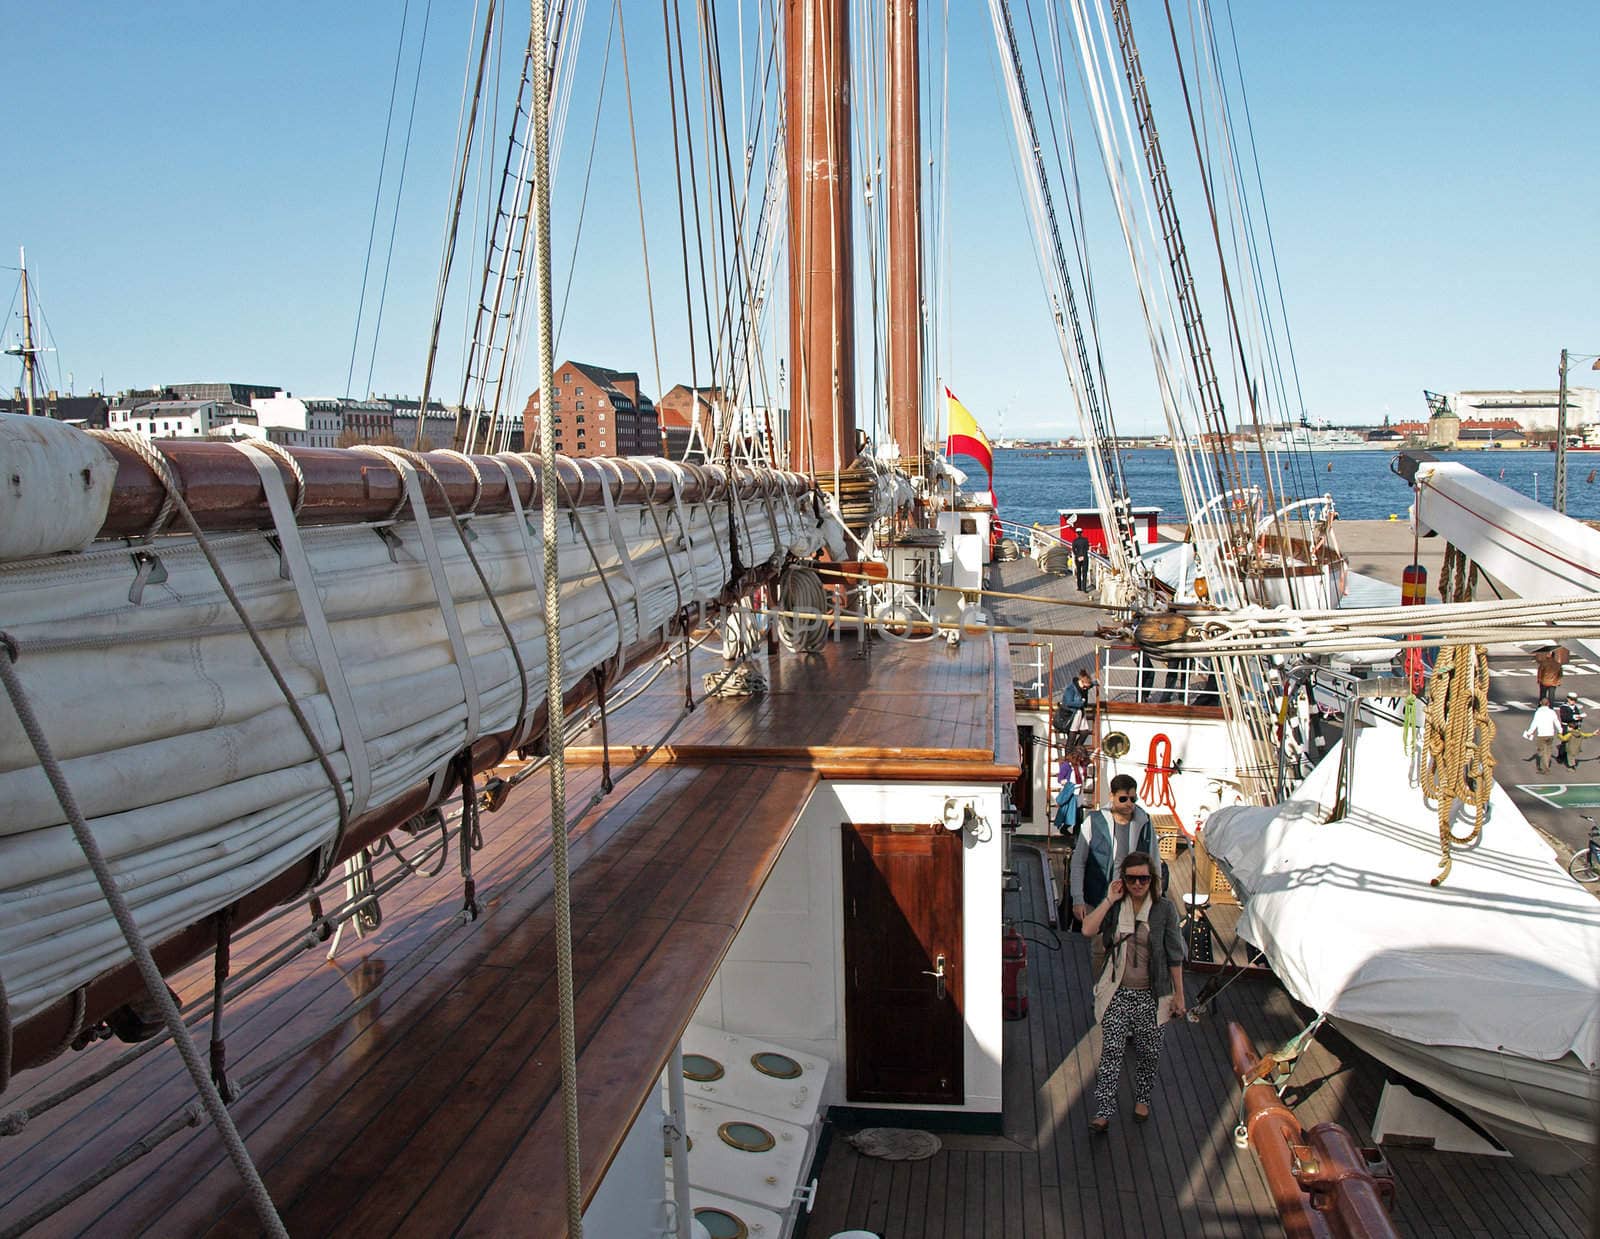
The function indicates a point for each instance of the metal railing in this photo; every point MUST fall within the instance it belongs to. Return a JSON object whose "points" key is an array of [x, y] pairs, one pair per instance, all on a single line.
{"points": [[1130, 675]]}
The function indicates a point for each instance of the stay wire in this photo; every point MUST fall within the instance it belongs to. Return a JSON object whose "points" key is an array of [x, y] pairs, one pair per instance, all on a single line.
{"points": [[377, 197]]}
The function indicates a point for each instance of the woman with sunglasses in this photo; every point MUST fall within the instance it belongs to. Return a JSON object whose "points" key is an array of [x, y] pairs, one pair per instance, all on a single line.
{"points": [[1141, 986]]}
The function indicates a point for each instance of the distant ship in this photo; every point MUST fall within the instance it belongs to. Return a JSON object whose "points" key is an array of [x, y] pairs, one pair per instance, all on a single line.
{"points": [[1316, 436]]}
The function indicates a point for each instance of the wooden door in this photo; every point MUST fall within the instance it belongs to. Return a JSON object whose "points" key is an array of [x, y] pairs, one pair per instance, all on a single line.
{"points": [[902, 925]]}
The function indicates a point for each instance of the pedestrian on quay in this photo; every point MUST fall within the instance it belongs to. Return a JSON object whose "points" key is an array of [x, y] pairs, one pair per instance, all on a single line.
{"points": [[1543, 730], [1141, 985], [1549, 662], [1080, 559], [1572, 715]]}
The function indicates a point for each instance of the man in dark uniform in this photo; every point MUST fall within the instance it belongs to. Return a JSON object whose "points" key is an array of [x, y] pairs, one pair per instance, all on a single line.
{"points": [[1080, 559], [1572, 716]]}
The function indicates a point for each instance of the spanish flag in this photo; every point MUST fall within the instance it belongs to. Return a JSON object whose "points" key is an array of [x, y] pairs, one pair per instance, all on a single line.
{"points": [[967, 437]]}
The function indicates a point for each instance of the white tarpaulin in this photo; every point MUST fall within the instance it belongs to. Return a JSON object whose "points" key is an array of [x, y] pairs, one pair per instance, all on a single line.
{"points": [[1504, 956]]}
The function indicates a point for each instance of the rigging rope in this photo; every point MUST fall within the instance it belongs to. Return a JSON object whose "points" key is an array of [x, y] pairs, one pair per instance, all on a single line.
{"points": [[154, 984], [1458, 733], [555, 705]]}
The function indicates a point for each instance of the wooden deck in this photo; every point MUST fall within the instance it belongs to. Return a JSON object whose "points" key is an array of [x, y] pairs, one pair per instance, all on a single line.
{"points": [[1178, 1175], [886, 712], [436, 1110]]}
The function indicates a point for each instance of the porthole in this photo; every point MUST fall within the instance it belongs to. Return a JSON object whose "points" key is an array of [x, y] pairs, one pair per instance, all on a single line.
{"points": [[701, 1068], [778, 1066], [720, 1224], [746, 1137]]}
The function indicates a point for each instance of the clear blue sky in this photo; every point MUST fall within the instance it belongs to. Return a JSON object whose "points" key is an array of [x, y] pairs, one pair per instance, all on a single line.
{"points": [[194, 183]]}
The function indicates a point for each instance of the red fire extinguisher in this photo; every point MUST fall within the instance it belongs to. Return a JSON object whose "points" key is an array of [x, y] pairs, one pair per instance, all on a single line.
{"points": [[1013, 974]]}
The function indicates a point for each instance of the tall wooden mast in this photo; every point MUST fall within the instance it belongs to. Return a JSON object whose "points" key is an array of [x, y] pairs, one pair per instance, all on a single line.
{"points": [[904, 376], [822, 418]]}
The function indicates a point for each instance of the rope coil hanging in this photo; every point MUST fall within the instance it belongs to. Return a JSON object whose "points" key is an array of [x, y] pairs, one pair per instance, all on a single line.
{"points": [[1457, 732]]}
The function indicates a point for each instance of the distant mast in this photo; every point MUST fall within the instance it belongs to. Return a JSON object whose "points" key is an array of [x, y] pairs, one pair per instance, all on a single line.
{"points": [[904, 374], [30, 359], [822, 421]]}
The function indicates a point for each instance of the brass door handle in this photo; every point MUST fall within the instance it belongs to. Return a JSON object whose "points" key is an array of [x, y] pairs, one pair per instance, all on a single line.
{"points": [[937, 973]]}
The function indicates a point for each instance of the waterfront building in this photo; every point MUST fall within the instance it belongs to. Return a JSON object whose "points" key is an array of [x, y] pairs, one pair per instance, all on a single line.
{"points": [[1532, 410], [186, 419], [598, 411]]}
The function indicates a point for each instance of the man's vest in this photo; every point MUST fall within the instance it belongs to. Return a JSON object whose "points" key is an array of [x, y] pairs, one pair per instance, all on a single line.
{"points": [[1098, 838]]}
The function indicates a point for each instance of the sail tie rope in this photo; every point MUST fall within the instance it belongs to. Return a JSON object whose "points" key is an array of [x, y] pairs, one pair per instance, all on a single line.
{"points": [[303, 578], [409, 466], [594, 558], [471, 836], [158, 465], [599, 675], [620, 542], [266, 1212], [1458, 733], [220, 968], [672, 568], [285, 458], [524, 723]]}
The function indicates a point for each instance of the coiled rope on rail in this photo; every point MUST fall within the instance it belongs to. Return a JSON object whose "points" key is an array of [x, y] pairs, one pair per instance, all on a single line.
{"points": [[1457, 732], [800, 590]]}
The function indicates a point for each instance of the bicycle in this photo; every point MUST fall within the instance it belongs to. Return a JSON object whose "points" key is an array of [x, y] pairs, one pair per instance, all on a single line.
{"points": [[1585, 862]]}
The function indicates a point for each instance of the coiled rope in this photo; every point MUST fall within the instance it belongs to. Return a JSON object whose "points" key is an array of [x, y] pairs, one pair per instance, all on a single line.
{"points": [[800, 590], [1457, 732]]}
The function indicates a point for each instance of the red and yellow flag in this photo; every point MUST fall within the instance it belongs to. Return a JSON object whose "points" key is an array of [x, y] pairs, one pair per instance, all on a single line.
{"points": [[967, 437]]}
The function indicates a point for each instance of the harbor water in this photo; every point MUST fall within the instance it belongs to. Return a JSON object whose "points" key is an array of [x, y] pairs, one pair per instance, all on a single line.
{"points": [[1032, 484]]}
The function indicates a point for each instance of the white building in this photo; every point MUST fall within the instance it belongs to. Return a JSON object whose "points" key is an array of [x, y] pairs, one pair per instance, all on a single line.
{"points": [[1533, 410], [187, 419], [296, 422]]}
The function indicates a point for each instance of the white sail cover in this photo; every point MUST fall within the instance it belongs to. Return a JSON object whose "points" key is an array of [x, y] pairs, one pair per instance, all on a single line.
{"points": [[1503, 957], [181, 752]]}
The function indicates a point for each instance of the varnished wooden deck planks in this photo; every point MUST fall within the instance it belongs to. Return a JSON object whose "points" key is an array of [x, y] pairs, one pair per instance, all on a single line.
{"points": [[838, 712], [1178, 1175]]}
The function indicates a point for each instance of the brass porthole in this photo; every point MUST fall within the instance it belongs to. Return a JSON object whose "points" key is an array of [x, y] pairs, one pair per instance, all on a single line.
{"points": [[746, 1136], [701, 1068], [720, 1224], [778, 1066]]}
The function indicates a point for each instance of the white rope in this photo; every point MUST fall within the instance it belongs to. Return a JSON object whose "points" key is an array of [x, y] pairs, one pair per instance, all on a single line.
{"points": [[555, 722], [1280, 630], [441, 585], [302, 577]]}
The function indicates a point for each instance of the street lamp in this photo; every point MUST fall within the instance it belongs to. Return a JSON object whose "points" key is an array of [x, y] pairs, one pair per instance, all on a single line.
{"points": [[1559, 498]]}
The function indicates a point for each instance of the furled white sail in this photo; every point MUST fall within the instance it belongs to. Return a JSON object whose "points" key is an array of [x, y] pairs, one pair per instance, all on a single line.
{"points": [[182, 753]]}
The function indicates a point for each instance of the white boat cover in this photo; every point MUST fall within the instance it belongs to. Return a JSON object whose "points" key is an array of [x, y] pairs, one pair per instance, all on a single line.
{"points": [[1503, 957]]}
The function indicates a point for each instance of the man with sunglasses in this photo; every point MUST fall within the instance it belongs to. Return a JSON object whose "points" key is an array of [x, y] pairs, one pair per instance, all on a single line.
{"points": [[1106, 838]]}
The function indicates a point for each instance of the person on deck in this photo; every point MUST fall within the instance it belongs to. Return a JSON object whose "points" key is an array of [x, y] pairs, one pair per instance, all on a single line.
{"points": [[1572, 715], [1543, 730], [1080, 559], [1550, 662], [1075, 704], [1105, 840], [1141, 985]]}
